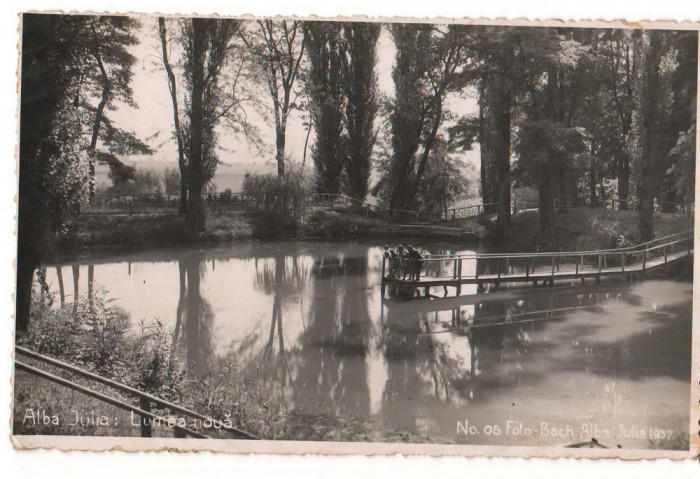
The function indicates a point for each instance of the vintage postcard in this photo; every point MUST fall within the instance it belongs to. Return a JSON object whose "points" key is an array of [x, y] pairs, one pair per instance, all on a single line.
{"points": [[355, 236]]}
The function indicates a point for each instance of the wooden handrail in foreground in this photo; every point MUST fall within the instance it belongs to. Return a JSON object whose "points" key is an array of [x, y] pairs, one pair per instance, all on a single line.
{"points": [[102, 397], [121, 387]]}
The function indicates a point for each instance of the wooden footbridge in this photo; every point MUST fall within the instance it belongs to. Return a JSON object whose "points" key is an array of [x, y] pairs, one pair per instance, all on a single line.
{"points": [[453, 271]]}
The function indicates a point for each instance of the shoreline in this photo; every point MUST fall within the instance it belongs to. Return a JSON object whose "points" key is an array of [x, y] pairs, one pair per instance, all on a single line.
{"points": [[90, 236]]}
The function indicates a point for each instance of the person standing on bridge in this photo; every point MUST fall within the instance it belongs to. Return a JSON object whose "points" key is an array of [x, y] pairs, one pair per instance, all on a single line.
{"points": [[392, 261], [416, 262], [404, 260]]}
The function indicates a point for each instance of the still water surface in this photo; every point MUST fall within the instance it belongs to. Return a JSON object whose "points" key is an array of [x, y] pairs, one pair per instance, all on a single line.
{"points": [[610, 361]]}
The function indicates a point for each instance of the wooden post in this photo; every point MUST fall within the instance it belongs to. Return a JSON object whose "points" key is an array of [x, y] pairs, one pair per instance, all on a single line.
{"points": [[665, 258], [622, 258], [146, 428], [644, 262], [454, 269], [552, 280], [600, 267], [576, 269], [498, 266], [527, 269], [459, 276]]}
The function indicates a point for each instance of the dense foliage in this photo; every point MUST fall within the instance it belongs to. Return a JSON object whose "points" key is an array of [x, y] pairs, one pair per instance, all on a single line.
{"points": [[279, 202]]}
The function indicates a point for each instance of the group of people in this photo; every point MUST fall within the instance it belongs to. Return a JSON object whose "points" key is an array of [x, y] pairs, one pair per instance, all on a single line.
{"points": [[403, 262]]}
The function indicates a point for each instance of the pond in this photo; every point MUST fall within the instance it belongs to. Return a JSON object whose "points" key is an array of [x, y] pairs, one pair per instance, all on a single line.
{"points": [[523, 366]]}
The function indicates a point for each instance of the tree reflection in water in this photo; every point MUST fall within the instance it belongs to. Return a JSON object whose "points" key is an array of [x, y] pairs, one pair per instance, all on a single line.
{"points": [[317, 337], [195, 316], [332, 371], [282, 279]]}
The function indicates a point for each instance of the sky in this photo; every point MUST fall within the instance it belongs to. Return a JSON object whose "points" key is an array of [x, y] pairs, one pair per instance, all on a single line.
{"points": [[154, 113]]}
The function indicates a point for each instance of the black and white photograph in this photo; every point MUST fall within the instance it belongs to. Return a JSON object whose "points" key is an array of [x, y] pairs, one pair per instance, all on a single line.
{"points": [[289, 234]]}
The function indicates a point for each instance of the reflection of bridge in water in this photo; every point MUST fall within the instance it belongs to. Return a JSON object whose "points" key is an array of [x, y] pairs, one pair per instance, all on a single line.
{"points": [[503, 308], [495, 269]]}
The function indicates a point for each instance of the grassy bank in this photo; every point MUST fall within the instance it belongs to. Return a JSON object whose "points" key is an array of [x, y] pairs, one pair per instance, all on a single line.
{"points": [[583, 229], [577, 229], [99, 339], [165, 229]]}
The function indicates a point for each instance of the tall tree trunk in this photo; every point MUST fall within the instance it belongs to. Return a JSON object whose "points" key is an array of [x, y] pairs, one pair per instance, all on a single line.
{"points": [[99, 114], [195, 220], [501, 113], [646, 186], [362, 106], [486, 190], [172, 84], [26, 265], [546, 204], [592, 188], [306, 141], [280, 140], [61, 286], [93, 144], [592, 179], [623, 180], [563, 192], [425, 156], [76, 287]]}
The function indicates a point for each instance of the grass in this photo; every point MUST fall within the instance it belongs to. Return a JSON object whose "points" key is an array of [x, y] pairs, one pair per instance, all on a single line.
{"points": [[156, 229], [99, 339], [576, 229], [584, 229]]}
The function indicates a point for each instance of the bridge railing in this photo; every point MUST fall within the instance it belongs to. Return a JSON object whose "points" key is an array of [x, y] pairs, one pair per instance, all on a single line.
{"points": [[332, 200], [146, 402], [473, 266]]}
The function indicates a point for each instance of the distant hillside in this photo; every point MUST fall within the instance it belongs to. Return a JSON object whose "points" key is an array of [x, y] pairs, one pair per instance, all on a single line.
{"points": [[227, 175]]}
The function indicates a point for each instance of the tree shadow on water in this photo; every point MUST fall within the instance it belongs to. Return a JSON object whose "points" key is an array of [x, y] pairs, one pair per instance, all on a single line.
{"points": [[663, 351]]}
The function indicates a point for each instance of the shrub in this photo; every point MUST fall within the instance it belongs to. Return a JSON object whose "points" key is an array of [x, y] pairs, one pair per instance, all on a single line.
{"points": [[226, 196], [98, 337], [278, 202], [327, 224]]}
